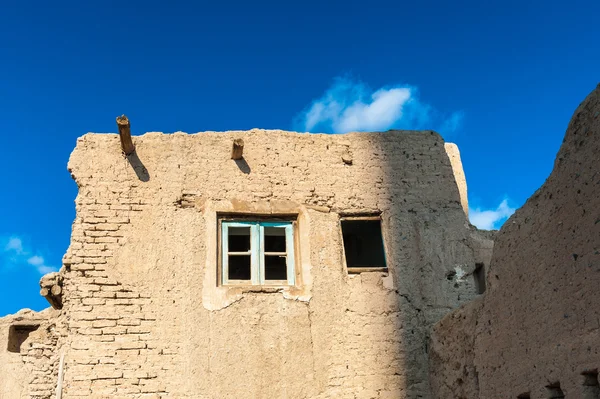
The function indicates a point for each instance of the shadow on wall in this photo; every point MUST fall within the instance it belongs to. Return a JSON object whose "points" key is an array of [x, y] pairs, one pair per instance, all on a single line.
{"points": [[243, 165], [535, 333], [138, 167], [427, 228]]}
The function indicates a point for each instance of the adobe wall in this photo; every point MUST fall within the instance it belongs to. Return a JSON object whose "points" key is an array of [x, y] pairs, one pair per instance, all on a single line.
{"points": [[29, 355], [538, 324], [146, 317]]}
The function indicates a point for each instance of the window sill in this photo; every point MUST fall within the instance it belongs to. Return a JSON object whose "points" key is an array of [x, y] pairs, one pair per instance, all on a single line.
{"points": [[258, 288], [358, 270]]}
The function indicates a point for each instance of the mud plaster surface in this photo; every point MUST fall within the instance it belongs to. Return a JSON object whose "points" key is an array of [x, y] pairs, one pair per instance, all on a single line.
{"points": [[145, 317], [539, 322]]}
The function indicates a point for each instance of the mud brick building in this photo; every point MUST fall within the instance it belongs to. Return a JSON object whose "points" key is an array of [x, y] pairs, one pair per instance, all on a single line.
{"points": [[271, 264]]}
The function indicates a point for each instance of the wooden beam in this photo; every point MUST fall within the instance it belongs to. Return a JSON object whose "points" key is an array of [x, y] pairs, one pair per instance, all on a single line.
{"points": [[238, 149], [125, 134], [61, 368], [56, 290]]}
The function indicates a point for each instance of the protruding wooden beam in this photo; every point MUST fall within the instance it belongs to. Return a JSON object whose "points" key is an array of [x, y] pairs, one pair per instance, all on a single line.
{"points": [[51, 289], [56, 290], [238, 149], [125, 134]]}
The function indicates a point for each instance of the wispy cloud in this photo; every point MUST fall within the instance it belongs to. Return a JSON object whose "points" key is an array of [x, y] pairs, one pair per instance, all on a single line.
{"points": [[491, 219], [17, 254], [453, 123], [350, 105], [15, 245]]}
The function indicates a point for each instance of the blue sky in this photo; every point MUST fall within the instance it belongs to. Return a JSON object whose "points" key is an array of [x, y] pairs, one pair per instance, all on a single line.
{"points": [[500, 79]]}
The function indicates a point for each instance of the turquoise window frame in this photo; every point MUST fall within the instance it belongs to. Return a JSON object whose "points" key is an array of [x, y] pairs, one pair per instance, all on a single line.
{"points": [[257, 252]]}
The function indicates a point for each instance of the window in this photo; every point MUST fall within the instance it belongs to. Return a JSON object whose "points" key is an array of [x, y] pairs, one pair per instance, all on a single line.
{"points": [[363, 243], [479, 278], [18, 334], [257, 252]]}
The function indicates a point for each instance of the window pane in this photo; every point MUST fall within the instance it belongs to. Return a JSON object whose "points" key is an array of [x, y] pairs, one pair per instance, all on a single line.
{"points": [[274, 239], [363, 243], [275, 267], [239, 239], [239, 267]]}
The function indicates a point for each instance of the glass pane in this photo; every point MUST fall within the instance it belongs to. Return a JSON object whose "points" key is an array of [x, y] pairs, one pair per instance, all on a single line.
{"points": [[274, 239], [239, 267], [239, 239], [275, 267]]}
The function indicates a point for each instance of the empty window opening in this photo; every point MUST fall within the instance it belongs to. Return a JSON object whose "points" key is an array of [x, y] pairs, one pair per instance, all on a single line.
{"points": [[479, 277], [363, 243], [275, 253], [17, 335], [554, 391], [239, 253], [257, 252], [591, 387], [525, 395]]}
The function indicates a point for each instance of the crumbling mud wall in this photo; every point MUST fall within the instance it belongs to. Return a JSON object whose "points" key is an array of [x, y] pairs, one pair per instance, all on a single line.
{"points": [[29, 356], [140, 295], [536, 331]]}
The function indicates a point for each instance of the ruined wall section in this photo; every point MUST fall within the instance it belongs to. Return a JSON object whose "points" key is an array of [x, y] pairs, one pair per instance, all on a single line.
{"points": [[111, 351], [459, 174], [147, 319], [536, 332], [30, 355]]}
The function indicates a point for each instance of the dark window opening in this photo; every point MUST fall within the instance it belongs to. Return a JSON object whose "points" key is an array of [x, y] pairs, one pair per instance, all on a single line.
{"points": [[479, 277], [554, 391], [239, 239], [363, 243], [525, 395], [274, 239], [275, 267], [239, 267], [591, 387], [17, 335], [275, 253]]}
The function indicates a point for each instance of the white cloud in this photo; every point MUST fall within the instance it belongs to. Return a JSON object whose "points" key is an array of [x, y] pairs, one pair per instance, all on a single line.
{"points": [[350, 105], [17, 254], [43, 269], [383, 110], [491, 219], [39, 263], [15, 245], [35, 260]]}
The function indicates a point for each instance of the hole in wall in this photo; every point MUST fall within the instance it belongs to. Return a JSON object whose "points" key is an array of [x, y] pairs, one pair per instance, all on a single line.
{"points": [[479, 278], [554, 391], [18, 334], [525, 395], [591, 387]]}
